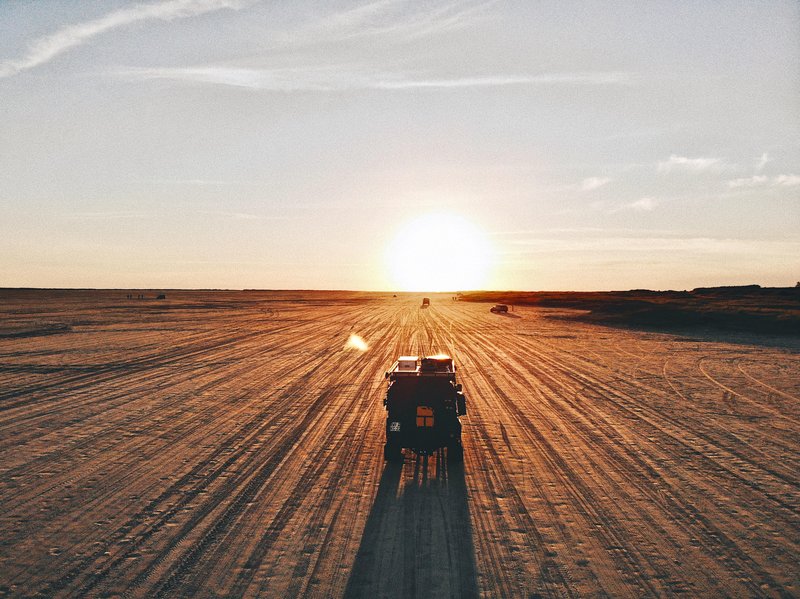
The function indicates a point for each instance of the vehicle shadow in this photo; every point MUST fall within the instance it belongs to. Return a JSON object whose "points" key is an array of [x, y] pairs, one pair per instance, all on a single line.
{"points": [[418, 538]]}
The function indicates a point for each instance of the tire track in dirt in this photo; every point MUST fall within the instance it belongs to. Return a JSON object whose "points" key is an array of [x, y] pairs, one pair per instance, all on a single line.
{"points": [[172, 491], [747, 563], [631, 474], [241, 456]]}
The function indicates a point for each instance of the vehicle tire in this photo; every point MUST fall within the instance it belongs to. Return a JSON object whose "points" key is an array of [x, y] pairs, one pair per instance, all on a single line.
{"points": [[455, 453], [392, 453], [461, 404]]}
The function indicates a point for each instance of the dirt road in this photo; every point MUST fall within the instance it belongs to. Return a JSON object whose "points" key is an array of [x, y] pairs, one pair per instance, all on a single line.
{"points": [[229, 444]]}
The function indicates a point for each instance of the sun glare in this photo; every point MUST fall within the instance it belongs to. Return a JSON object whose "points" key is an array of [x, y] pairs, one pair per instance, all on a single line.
{"points": [[439, 252]]}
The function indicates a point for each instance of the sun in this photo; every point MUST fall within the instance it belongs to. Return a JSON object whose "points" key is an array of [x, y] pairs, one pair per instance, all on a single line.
{"points": [[439, 252]]}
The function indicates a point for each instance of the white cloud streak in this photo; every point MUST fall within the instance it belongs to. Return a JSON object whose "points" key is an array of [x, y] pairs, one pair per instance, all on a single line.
{"points": [[593, 183], [232, 215], [787, 180], [764, 181], [645, 204], [385, 18], [599, 78], [47, 48], [337, 78], [698, 245], [690, 164], [753, 181], [109, 215], [762, 162]]}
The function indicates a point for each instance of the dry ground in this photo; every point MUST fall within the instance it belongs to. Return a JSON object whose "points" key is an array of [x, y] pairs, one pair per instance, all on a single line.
{"points": [[226, 444]]}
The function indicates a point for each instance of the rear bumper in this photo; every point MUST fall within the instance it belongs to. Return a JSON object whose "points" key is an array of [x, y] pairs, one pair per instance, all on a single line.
{"points": [[422, 440]]}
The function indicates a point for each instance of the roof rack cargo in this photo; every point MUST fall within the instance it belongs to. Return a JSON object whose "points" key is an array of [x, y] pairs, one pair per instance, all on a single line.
{"points": [[440, 365]]}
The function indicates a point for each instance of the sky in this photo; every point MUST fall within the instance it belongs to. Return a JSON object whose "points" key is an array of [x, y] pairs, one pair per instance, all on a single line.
{"points": [[285, 145]]}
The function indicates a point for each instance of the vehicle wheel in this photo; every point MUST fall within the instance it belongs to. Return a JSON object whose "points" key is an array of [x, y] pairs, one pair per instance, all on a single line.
{"points": [[392, 453], [455, 453]]}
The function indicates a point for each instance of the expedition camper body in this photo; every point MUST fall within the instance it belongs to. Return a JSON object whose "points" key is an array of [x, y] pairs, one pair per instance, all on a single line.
{"points": [[423, 403]]}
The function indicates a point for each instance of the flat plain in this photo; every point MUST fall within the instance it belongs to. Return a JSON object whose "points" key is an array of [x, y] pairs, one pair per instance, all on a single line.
{"points": [[229, 444]]}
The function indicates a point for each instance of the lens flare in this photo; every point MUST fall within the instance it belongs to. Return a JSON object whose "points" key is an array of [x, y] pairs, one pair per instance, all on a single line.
{"points": [[356, 342]]}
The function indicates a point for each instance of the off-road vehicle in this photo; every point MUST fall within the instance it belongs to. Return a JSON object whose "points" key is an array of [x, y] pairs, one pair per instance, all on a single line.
{"points": [[423, 403]]}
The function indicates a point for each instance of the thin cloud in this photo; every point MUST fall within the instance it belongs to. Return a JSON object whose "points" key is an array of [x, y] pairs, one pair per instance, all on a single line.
{"points": [[598, 78], [230, 215], [549, 230], [110, 215], [702, 245], [197, 182], [645, 204], [593, 183], [753, 181], [698, 165], [337, 78], [787, 180], [385, 18], [49, 47], [263, 79], [234, 215], [764, 181], [762, 162]]}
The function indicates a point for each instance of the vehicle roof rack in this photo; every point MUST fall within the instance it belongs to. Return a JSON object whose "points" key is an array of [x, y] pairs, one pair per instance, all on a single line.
{"points": [[437, 366]]}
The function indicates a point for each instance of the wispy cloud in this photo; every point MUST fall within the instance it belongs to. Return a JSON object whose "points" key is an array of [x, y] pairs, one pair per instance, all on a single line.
{"points": [[762, 162], [701, 164], [230, 215], [108, 215], [764, 181], [645, 204], [787, 180], [697, 245], [197, 182], [390, 19], [343, 78], [753, 181], [549, 232], [234, 215], [50, 46], [592, 183], [290, 79], [597, 78]]}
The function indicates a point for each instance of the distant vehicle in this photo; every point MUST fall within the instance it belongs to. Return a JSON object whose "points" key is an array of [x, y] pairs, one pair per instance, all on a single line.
{"points": [[161, 296], [426, 301], [423, 403], [499, 309]]}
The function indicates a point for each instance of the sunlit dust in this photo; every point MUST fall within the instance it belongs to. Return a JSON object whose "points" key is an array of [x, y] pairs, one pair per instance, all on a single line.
{"points": [[356, 342], [439, 252]]}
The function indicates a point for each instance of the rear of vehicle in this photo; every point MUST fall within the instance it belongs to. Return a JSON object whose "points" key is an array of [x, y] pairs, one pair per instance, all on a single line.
{"points": [[423, 409]]}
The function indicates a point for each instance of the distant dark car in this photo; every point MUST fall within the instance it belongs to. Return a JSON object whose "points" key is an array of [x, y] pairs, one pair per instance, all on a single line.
{"points": [[161, 296], [426, 301], [499, 309]]}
